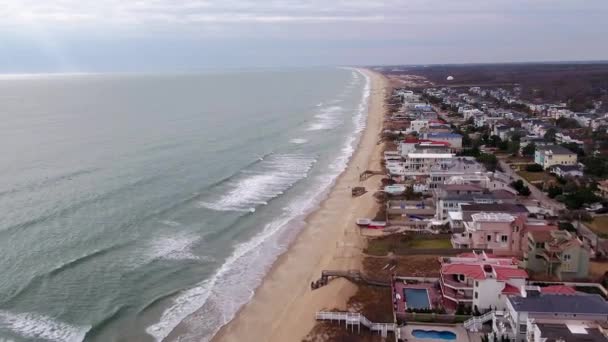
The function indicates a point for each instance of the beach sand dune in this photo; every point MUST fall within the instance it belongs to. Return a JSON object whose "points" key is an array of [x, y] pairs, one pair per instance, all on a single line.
{"points": [[283, 307]]}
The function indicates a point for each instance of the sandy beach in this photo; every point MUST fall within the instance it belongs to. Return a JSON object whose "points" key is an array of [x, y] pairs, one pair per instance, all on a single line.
{"points": [[284, 306]]}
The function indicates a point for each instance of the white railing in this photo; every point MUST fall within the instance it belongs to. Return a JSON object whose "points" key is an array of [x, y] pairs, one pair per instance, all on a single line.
{"points": [[351, 318], [475, 323]]}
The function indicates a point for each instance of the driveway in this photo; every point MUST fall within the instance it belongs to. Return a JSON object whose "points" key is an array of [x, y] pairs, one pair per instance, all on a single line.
{"points": [[538, 195]]}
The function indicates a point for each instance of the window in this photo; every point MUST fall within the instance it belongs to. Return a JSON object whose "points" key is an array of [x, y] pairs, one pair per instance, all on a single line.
{"points": [[476, 283], [504, 238], [489, 238], [539, 245], [567, 257], [476, 295]]}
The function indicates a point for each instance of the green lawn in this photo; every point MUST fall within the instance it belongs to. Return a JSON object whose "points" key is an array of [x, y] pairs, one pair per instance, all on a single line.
{"points": [[599, 225], [537, 177], [430, 244], [396, 243]]}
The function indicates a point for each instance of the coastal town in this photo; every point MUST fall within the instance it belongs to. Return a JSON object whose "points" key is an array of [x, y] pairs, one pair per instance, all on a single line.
{"points": [[491, 219]]}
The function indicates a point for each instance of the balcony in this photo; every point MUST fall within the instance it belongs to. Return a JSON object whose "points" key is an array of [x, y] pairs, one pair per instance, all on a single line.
{"points": [[459, 241], [454, 296], [456, 285]]}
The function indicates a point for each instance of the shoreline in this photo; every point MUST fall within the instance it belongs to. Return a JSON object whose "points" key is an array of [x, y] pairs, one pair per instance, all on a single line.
{"points": [[283, 306]]}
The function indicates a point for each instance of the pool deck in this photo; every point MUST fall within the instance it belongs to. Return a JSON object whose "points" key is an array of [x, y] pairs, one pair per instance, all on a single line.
{"points": [[461, 334], [400, 305]]}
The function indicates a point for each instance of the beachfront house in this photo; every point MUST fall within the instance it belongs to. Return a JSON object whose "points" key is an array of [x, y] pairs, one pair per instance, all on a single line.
{"points": [[450, 197], [556, 253], [547, 156], [499, 232], [464, 214], [480, 281], [537, 307], [422, 162]]}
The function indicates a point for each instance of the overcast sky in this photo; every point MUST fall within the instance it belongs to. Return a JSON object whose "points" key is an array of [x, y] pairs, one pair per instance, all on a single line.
{"points": [[146, 35]]}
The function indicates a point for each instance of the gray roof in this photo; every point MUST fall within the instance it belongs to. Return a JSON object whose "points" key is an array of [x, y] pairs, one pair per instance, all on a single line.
{"points": [[556, 149], [468, 197], [470, 209], [567, 168], [592, 304], [555, 332]]}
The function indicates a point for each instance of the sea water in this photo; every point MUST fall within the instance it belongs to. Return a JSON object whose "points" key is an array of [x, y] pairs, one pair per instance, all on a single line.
{"points": [[129, 202]]}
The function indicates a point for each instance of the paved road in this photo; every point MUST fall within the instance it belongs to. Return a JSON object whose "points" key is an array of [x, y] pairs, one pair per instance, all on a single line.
{"points": [[538, 195]]}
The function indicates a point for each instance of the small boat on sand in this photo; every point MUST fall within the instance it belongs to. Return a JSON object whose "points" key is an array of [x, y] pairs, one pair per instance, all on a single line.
{"points": [[377, 225], [363, 222]]}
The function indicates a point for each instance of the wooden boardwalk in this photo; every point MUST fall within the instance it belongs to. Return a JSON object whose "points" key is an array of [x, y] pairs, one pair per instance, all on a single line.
{"points": [[352, 275]]}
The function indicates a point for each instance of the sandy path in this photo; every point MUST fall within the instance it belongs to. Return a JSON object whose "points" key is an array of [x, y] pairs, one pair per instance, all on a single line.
{"points": [[283, 307]]}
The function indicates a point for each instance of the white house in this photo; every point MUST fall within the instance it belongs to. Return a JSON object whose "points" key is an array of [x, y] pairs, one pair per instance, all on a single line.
{"points": [[480, 281]]}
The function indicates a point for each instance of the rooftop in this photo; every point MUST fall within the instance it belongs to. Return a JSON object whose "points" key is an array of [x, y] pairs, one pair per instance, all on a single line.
{"points": [[592, 304], [469, 271], [430, 155], [495, 207], [504, 273], [554, 149], [570, 333], [567, 168], [442, 135], [558, 289], [541, 236], [492, 217]]}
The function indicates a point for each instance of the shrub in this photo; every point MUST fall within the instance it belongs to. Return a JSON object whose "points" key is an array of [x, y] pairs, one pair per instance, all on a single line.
{"points": [[534, 168]]}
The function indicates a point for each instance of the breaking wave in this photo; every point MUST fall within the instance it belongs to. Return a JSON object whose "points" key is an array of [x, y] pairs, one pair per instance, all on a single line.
{"points": [[328, 118], [40, 327], [269, 179], [205, 308]]}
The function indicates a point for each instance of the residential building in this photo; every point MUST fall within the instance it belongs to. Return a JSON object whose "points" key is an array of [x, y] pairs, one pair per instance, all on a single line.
{"points": [[547, 156], [556, 253], [567, 138], [566, 170], [500, 232], [564, 332], [455, 140], [534, 306], [457, 218], [424, 162], [418, 125], [480, 281]]}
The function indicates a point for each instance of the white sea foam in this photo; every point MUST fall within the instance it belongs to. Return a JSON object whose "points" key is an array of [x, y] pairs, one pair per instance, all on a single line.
{"points": [[327, 118], [217, 299], [175, 247], [271, 178], [298, 141], [40, 327], [170, 223]]}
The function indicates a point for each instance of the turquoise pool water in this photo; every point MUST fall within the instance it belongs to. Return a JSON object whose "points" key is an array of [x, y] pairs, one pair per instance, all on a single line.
{"points": [[434, 334], [416, 298]]}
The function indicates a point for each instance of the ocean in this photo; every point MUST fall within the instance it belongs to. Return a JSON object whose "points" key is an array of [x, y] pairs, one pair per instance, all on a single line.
{"points": [[128, 202]]}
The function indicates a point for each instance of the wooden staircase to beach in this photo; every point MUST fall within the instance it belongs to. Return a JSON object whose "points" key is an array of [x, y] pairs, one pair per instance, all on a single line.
{"points": [[356, 320], [352, 275]]}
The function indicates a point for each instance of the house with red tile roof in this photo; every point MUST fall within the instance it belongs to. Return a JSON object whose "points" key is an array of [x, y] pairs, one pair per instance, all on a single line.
{"points": [[480, 280]]}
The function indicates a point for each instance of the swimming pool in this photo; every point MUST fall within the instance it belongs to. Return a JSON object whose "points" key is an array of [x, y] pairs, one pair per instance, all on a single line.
{"points": [[434, 334], [416, 298]]}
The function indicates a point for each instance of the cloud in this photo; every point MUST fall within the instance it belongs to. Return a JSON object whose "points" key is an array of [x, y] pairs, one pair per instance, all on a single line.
{"points": [[72, 32]]}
